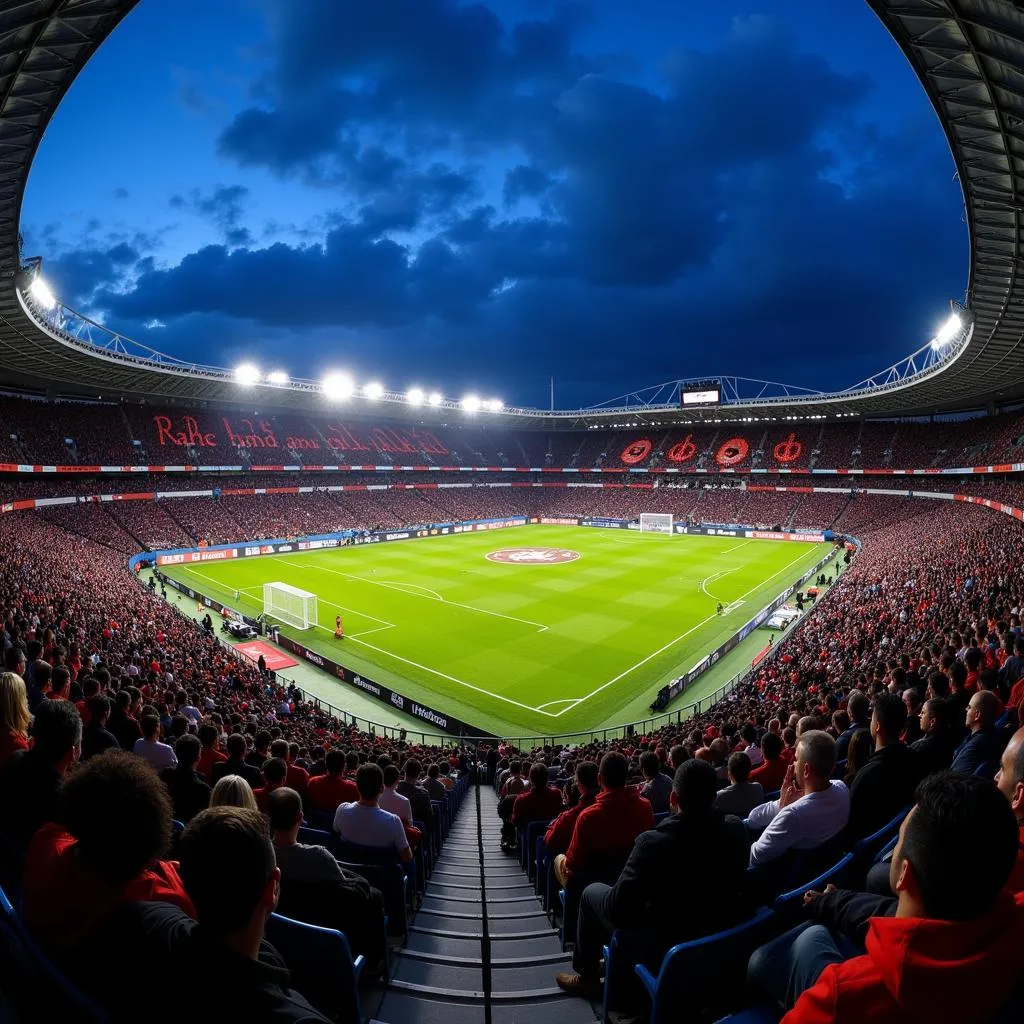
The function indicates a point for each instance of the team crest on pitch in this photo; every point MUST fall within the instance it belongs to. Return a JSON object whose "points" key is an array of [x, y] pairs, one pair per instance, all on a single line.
{"points": [[533, 556]]}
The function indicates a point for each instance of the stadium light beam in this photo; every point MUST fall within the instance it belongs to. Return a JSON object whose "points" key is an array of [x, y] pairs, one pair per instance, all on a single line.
{"points": [[41, 293], [948, 331], [278, 377], [435, 398], [414, 396], [494, 405], [373, 390], [247, 374], [471, 403], [337, 386]]}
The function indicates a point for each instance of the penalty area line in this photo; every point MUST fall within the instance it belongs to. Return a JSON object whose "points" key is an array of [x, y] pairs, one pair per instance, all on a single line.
{"points": [[400, 587]]}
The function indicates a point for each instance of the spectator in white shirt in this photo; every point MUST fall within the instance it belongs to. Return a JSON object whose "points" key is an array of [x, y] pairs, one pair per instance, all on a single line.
{"points": [[393, 801], [749, 736], [812, 807], [158, 754], [365, 823]]}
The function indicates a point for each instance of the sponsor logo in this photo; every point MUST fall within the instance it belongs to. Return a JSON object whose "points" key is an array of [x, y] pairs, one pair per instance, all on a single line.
{"points": [[252, 551], [315, 658], [303, 545], [396, 536], [532, 556], [363, 684], [170, 559], [547, 521], [429, 716], [284, 547], [398, 700]]}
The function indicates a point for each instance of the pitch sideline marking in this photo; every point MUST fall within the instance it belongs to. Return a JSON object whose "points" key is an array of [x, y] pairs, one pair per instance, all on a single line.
{"points": [[453, 679], [392, 586], [671, 643]]}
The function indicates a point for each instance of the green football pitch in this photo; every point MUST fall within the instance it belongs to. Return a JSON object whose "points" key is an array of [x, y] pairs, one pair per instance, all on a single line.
{"points": [[517, 646]]}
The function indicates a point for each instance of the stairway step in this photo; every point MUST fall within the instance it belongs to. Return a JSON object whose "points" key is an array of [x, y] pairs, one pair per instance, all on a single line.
{"points": [[559, 1009], [558, 959], [412, 1008], [505, 947], [449, 980], [460, 947]]}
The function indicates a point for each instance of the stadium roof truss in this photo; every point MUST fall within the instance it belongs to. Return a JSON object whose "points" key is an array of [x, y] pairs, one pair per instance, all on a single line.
{"points": [[968, 54]]}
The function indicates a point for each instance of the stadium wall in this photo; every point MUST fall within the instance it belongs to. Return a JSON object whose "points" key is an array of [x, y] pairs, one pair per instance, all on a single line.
{"points": [[79, 470]]}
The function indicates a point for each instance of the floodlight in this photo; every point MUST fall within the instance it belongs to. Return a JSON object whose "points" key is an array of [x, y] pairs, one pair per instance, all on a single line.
{"points": [[247, 373], [948, 331], [414, 396], [494, 405], [373, 390], [471, 403], [435, 398], [337, 386], [41, 293], [277, 377]]}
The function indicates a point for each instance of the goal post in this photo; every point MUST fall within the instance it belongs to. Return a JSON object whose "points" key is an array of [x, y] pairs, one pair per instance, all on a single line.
{"points": [[656, 522], [290, 605]]}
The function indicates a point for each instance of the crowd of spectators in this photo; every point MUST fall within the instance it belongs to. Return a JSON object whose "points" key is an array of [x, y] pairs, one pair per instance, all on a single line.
{"points": [[913, 664]]}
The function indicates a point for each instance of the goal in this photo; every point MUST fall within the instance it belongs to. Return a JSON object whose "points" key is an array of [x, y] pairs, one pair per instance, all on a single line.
{"points": [[656, 522], [289, 605]]}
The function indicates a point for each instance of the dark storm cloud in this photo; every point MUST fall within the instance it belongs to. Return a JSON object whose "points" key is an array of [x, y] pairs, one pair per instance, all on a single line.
{"points": [[223, 206], [716, 222]]}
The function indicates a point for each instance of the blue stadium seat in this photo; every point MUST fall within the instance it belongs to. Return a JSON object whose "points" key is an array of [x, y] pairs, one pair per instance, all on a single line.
{"points": [[321, 965], [319, 819], [794, 898], [528, 844], [570, 895], [697, 972], [392, 883], [865, 850], [29, 972]]}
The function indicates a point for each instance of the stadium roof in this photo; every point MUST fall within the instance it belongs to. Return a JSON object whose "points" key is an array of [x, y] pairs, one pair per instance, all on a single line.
{"points": [[968, 54]]}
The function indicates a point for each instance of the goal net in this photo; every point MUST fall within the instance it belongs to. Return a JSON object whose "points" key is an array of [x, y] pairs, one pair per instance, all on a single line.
{"points": [[656, 522], [289, 605]]}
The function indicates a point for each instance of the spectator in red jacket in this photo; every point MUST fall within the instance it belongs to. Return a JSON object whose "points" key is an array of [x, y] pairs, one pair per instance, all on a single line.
{"points": [[605, 832], [773, 769], [946, 948], [1010, 780], [540, 802], [580, 795], [297, 778], [209, 755], [115, 825], [328, 792], [275, 773]]}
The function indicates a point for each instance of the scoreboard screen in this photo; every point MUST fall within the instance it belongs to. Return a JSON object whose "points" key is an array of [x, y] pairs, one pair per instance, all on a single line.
{"points": [[704, 396]]}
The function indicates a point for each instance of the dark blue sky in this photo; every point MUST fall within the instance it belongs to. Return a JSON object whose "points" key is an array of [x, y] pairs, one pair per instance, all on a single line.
{"points": [[616, 192]]}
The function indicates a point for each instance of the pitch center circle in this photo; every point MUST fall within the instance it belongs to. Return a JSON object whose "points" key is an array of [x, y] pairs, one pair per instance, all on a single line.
{"points": [[532, 556]]}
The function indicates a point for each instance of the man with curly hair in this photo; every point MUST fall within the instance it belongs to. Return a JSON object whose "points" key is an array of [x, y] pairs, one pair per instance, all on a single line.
{"points": [[114, 825]]}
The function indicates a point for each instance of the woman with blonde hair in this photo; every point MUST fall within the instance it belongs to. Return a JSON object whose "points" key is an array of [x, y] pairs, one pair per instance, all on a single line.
{"points": [[233, 791], [14, 716]]}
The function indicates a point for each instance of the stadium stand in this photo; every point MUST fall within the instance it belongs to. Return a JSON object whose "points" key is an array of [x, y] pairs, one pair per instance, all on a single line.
{"points": [[123, 896]]}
